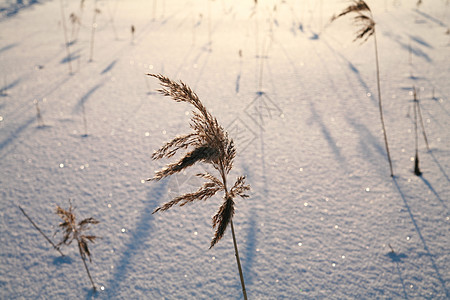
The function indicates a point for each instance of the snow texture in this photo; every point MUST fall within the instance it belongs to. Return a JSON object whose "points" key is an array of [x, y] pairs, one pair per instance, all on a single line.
{"points": [[298, 96]]}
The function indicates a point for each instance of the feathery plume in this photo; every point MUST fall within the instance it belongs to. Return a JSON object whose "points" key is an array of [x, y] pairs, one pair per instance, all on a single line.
{"points": [[363, 19], [208, 143]]}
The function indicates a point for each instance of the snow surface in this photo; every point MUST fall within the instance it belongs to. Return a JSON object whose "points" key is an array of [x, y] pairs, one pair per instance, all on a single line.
{"points": [[323, 209]]}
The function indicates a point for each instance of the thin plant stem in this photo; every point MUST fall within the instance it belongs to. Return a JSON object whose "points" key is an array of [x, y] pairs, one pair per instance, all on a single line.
{"points": [[39, 118], [236, 252], [421, 123], [84, 120], [74, 25], [416, 158], [212, 145], [416, 141], [368, 29], [380, 105], [66, 41], [80, 19], [85, 266], [40, 231], [94, 26]]}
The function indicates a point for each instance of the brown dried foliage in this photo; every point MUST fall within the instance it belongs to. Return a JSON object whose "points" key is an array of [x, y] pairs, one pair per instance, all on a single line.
{"points": [[208, 143], [363, 18], [73, 231], [74, 19]]}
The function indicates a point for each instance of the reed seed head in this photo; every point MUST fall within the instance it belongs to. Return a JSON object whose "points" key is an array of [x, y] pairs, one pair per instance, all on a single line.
{"points": [[363, 18], [208, 143], [75, 231]]}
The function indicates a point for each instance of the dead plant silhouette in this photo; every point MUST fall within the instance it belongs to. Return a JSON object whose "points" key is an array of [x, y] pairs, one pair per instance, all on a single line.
{"points": [[74, 231], [66, 41], [417, 171], [209, 144], [94, 27], [364, 18]]}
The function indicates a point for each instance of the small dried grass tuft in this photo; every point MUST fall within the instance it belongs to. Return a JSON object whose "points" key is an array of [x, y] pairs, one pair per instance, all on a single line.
{"points": [[72, 230]]}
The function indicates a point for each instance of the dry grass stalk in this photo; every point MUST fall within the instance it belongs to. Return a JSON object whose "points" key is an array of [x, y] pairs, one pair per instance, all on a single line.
{"points": [[80, 18], [75, 231], [208, 143], [39, 118], [257, 55], [94, 26], [83, 110], [75, 21], [416, 158], [392, 249], [364, 19], [66, 41], [419, 110], [40, 231]]}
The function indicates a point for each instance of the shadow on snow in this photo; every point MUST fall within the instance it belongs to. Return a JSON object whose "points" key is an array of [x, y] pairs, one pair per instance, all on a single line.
{"points": [[424, 243], [137, 240]]}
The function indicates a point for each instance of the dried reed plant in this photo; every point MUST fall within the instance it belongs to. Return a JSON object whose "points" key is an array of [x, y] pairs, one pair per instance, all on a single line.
{"points": [[364, 18], [83, 110], [417, 111], [75, 231], [66, 41], [76, 23], [208, 143], [417, 171], [418, 3], [255, 13], [94, 26], [80, 18], [39, 118]]}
